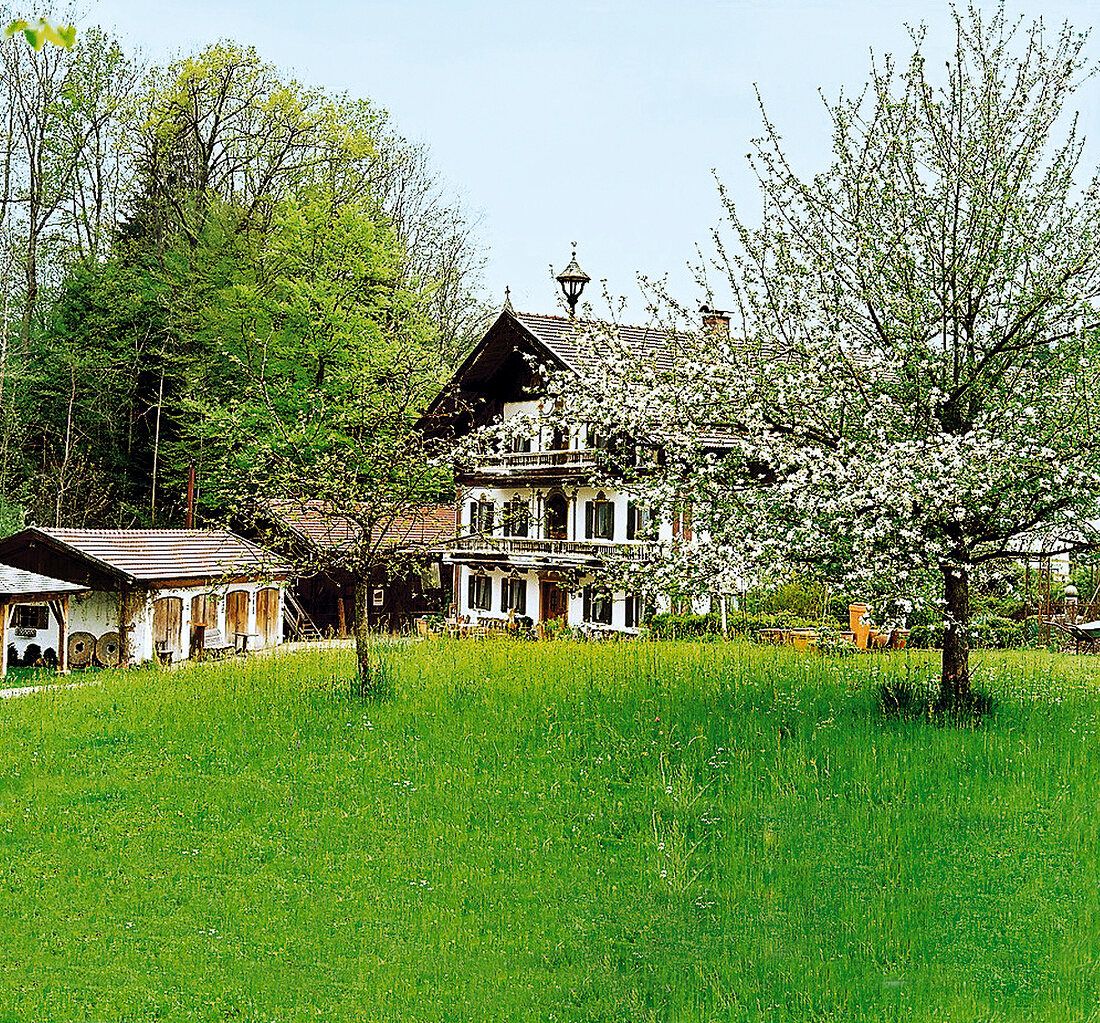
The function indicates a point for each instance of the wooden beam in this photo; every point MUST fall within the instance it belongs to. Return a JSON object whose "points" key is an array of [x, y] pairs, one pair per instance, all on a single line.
{"points": [[123, 630], [4, 609], [63, 637]]}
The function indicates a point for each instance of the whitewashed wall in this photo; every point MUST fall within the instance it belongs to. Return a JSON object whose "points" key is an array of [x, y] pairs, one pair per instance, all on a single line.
{"points": [[96, 612], [574, 601]]}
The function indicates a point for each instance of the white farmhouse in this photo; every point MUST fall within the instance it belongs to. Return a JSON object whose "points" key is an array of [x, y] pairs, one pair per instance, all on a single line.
{"points": [[534, 532]]}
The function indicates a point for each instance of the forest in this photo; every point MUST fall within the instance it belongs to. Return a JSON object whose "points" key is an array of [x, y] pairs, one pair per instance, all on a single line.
{"points": [[210, 266]]}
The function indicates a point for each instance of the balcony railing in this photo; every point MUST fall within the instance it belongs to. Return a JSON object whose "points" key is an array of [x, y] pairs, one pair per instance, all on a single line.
{"points": [[584, 458], [591, 549]]}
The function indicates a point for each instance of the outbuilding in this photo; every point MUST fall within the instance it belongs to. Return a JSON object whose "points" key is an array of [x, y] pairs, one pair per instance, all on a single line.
{"points": [[150, 593], [35, 599]]}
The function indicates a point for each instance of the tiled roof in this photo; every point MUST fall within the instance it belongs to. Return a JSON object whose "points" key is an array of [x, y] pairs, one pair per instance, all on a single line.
{"points": [[577, 342], [321, 529], [429, 526], [148, 555], [426, 526], [17, 582]]}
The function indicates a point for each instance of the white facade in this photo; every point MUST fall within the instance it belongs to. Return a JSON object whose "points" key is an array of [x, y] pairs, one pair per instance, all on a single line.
{"points": [[563, 532]]}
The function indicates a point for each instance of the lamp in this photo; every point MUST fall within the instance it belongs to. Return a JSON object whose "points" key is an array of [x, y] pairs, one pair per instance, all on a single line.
{"points": [[572, 280]]}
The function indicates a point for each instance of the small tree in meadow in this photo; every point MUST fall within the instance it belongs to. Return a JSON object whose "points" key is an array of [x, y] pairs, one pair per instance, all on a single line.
{"points": [[909, 388]]}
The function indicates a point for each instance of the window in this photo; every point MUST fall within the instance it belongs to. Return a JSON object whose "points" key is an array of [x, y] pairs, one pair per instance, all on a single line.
{"points": [[513, 595], [519, 444], [637, 519], [481, 516], [599, 518], [622, 449], [557, 517], [597, 605], [481, 592], [634, 610], [517, 517], [30, 616], [559, 439], [596, 439]]}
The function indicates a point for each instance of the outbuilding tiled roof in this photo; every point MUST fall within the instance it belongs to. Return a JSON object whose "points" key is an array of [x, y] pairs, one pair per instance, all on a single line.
{"points": [[429, 526], [148, 555], [18, 582], [426, 526]]}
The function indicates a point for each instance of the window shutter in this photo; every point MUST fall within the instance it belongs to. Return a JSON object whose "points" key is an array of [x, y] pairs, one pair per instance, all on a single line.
{"points": [[631, 520], [472, 591], [629, 611], [473, 516], [588, 603], [506, 518], [610, 521], [588, 520], [521, 596], [489, 509]]}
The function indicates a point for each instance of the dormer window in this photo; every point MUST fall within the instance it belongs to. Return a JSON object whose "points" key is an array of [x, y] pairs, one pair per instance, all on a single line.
{"points": [[599, 518]]}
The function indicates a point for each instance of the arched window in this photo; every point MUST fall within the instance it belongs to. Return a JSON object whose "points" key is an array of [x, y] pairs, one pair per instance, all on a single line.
{"points": [[557, 517]]}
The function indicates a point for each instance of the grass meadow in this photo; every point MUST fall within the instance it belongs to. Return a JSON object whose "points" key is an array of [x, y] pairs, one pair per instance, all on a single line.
{"points": [[553, 832]]}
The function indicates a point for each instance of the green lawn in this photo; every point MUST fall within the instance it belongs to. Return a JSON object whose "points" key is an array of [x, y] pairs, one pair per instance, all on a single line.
{"points": [[551, 832]]}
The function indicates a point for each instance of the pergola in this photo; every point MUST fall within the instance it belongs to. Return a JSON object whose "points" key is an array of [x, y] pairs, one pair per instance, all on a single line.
{"points": [[18, 586]]}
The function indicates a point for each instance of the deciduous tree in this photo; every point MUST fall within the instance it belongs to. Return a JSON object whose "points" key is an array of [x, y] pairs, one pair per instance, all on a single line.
{"points": [[910, 383]]}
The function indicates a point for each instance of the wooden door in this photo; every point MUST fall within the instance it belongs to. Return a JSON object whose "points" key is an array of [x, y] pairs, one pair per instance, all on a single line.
{"points": [[267, 615], [204, 610], [554, 601], [168, 624], [236, 614]]}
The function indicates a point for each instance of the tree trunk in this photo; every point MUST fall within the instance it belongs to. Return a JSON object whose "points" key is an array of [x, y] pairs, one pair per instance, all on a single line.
{"points": [[372, 667], [955, 677]]}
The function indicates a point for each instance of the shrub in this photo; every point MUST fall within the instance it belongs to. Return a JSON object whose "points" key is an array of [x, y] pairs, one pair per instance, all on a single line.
{"points": [[987, 632]]}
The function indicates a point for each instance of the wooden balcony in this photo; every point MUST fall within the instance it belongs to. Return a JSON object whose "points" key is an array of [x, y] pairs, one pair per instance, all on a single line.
{"points": [[569, 459], [578, 551]]}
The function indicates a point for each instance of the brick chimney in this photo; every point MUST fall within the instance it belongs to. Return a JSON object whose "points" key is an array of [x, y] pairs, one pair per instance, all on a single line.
{"points": [[715, 321]]}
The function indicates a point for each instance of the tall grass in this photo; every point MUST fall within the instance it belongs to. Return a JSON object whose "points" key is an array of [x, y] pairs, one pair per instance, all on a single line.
{"points": [[551, 832]]}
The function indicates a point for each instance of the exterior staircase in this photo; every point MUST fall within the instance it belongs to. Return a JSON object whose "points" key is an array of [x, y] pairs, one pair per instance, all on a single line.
{"points": [[298, 624]]}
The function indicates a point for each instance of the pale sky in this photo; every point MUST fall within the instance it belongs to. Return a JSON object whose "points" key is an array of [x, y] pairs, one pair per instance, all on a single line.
{"points": [[597, 122]]}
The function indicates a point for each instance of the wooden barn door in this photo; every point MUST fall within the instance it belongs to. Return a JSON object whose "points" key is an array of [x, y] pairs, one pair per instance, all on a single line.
{"points": [[204, 610], [267, 615], [168, 624], [236, 614], [204, 616]]}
